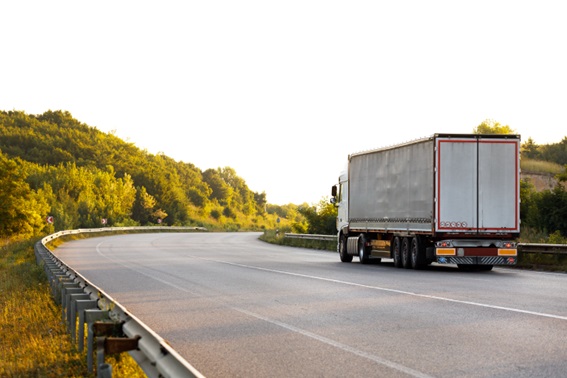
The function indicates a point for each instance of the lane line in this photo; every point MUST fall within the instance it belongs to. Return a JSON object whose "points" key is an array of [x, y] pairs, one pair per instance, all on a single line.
{"points": [[289, 327], [336, 344], [426, 296], [478, 304]]}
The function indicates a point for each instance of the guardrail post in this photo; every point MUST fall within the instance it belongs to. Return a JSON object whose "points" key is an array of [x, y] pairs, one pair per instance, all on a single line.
{"points": [[104, 371], [92, 316], [56, 280], [59, 284], [112, 345], [73, 293], [51, 269], [38, 254], [68, 289], [72, 312], [100, 355], [82, 306], [107, 341]]}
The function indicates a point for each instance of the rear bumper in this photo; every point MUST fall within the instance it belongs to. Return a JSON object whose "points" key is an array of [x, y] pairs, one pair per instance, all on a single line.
{"points": [[478, 260]]}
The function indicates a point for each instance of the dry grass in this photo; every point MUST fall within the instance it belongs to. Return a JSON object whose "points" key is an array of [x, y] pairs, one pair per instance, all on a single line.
{"points": [[555, 263], [33, 340], [540, 167]]}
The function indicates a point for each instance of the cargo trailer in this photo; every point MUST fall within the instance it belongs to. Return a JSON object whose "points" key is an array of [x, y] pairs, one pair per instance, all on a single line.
{"points": [[448, 199]]}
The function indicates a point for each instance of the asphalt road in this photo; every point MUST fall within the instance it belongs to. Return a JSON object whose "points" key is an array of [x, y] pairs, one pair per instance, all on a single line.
{"points": [[234, 306]]}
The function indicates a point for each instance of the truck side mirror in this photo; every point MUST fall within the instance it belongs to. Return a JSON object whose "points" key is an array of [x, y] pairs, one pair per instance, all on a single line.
{"points": [[334, 191]]}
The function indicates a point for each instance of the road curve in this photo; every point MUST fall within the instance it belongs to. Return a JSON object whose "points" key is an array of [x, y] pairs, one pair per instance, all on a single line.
{"points": [[234, 306]]}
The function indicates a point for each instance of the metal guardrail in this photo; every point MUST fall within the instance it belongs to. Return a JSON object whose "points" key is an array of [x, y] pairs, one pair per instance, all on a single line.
{"points": [[549, 249], [111, 328], [115, 330], [311, 237]]}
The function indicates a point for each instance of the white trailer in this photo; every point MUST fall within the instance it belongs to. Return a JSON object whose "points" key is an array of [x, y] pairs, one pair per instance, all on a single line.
{"points": [[448, 198]]}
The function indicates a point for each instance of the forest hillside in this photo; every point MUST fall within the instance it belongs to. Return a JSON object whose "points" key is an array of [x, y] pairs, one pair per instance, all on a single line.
{"points": [[52, 165]]}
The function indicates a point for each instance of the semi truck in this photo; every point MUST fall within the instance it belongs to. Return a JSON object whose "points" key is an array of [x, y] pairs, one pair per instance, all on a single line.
{"points": [[446, 199]]}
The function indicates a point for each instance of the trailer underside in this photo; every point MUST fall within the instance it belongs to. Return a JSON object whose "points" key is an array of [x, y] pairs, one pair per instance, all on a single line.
{"points": [[417, 250]]}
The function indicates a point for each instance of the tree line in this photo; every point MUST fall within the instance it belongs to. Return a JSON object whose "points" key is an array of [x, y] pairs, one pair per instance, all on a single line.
{"points": [[543, 213], [53, 165]]}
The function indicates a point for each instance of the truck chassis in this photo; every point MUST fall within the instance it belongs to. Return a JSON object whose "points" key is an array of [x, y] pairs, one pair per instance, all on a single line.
{"points": [[446, 199]]}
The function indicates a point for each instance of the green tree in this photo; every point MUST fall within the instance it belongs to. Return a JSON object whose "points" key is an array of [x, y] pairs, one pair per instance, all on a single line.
{"points": [[22, 211], [144, 206], [556, 152], [530, 150], [552, 210], [492, 127], [242, 198], [221, 191], [114, 197], [562, 177], [321, 219], [197, 197], [528, 207], [86, 175], [261, 202]]}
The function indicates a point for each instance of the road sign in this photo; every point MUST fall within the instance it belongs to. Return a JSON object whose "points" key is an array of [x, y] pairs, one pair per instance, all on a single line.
{"points": [[103, 221], [49, 219]]}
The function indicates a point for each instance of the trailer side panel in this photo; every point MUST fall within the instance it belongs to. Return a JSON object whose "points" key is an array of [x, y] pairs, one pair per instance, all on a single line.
{"points": [[392, 189]]}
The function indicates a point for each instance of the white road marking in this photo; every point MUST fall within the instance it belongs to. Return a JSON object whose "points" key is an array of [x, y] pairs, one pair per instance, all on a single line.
{"points": [[330, 342], [478, 304], [333, 343], [336, 344], [393, 290]]}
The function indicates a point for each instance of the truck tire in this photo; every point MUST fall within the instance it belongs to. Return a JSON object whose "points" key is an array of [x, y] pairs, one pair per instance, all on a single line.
{"points": [[345, 257], [417, 253], [406, 253], [397, 252], [363, 253]]}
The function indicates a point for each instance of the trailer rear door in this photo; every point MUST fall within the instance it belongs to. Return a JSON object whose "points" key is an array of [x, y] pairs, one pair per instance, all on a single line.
{"points": [[477, 184]]}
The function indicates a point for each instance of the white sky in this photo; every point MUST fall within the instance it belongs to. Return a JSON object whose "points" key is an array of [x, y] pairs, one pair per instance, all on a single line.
{"points": [[283, 91]]}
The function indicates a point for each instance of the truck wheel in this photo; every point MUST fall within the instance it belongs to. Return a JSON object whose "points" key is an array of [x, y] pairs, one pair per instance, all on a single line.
{"points": [[345, 257], [397, 252], [417, 253], [406, 253], [362, 250]]}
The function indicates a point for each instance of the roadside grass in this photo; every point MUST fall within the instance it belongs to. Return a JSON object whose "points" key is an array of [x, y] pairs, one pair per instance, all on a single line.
{"points": [[531, 261], [274, 237], [540, 261], [540, 166], [33, 339]]}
